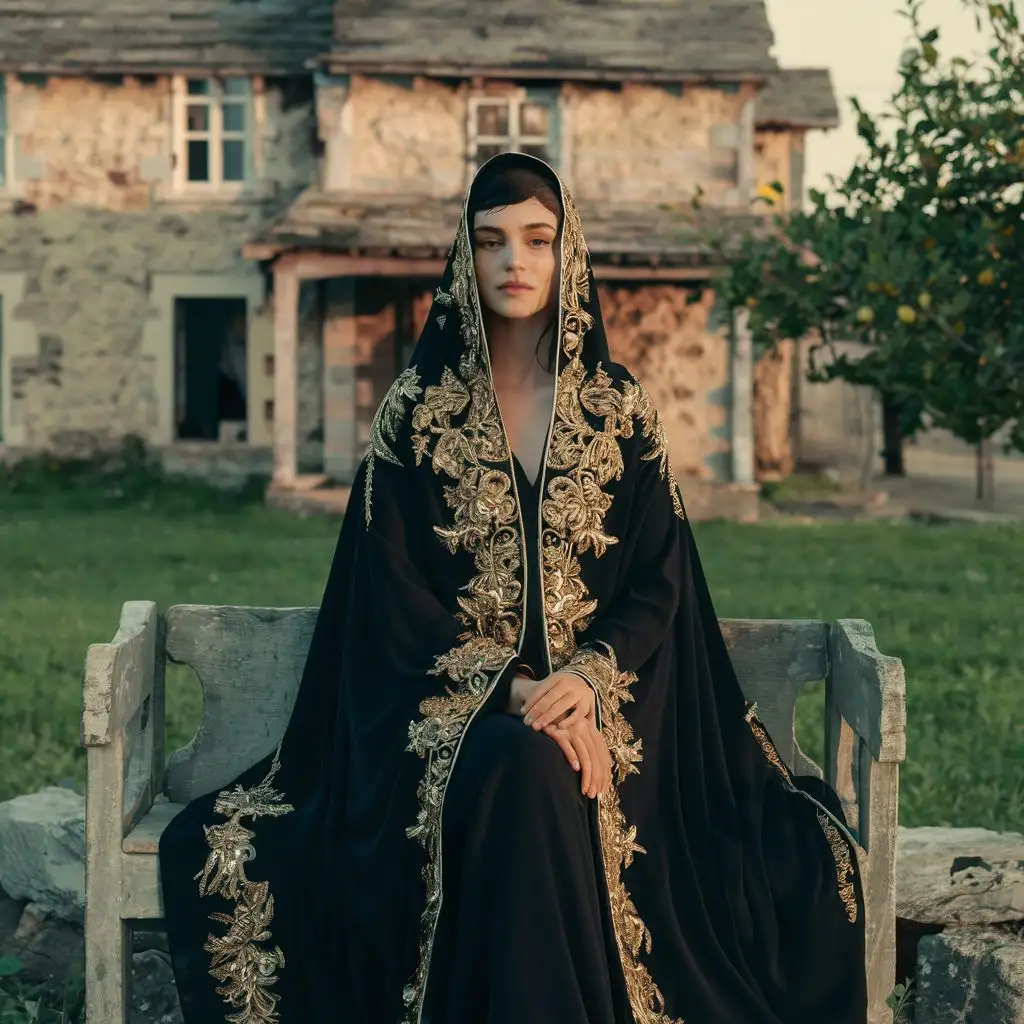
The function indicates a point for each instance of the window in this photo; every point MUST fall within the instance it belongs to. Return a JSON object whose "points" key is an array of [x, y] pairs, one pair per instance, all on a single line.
{"points": [[516, 123], [213, 137]]}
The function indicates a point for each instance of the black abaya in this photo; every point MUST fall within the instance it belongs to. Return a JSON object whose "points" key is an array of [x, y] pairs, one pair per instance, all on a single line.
{"points": [[410, 852]]}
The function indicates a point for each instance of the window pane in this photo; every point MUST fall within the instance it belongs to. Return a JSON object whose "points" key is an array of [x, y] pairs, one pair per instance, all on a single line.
{"points": [[234, 160], [541, 152], [198, 160], [485, 152], [236, 86], [492, 119], [199, 87], [234, 117], [197, 118], [534, 119]]}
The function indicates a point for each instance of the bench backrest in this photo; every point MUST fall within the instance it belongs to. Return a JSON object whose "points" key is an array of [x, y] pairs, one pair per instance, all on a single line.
{"points": [[249, 662]]}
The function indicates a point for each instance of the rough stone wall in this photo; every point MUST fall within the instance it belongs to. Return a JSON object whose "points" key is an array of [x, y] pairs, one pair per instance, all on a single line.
{"points": [[647, 143], [684, 364], [405, 137], [93, 233], [772, 162]]}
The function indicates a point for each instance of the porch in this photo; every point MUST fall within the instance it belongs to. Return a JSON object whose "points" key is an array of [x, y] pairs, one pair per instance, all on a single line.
{"points": [[374, 262]]}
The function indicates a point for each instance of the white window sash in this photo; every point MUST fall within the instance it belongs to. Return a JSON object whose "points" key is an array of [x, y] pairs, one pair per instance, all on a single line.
{"points": [[214, 136]]}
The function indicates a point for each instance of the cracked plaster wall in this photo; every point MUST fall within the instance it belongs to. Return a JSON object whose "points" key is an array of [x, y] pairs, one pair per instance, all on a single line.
{"points": [[90, 234]]}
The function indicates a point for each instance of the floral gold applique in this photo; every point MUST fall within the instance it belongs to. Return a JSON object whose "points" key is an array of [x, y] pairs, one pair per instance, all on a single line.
{"points": [[458, 430], [640, 401], [839, 845], [618, 838], [242, 962], [406, 387]]}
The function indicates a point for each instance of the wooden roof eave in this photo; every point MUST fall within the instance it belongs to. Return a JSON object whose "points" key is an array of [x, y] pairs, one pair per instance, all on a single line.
{"points": [[338, 65], [316, 262]]}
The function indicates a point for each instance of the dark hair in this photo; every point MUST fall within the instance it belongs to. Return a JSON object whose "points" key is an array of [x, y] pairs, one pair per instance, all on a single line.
{"points": [[510, 182]]}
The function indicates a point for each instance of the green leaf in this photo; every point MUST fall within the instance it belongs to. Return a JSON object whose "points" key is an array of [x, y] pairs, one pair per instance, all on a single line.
{"points": [[9, 966]]}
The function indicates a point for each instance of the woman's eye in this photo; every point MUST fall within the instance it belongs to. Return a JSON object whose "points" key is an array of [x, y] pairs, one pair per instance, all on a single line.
{"points": [[539, 242]]}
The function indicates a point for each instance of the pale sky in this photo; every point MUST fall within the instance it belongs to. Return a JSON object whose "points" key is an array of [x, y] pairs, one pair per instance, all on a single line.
{"points": [[861, 42]]}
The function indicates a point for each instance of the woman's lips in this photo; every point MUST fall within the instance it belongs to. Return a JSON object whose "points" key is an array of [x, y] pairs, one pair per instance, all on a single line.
{"points": [[515, 289]]}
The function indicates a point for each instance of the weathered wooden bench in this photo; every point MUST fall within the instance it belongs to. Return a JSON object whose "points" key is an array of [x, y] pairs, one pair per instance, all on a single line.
{"points": [[249, 660]]}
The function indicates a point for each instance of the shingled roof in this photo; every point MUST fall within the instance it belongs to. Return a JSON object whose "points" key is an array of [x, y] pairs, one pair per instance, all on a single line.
{"points": [[413, 227], [597, 39], [798, 98], [158, 35]]}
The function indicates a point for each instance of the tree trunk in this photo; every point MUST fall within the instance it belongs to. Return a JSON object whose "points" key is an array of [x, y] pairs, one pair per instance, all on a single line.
{"points": [[866, 403], [773, 412], [892, 432], [985, 491]]}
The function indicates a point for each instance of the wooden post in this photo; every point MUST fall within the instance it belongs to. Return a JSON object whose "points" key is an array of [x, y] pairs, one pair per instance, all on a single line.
{"points": [[286, 371], [341, 454], [742, 434]]}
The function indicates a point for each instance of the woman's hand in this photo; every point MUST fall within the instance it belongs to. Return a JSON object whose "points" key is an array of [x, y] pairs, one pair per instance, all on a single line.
{"points": [[564, 698], [519, 693], [586, 750]]}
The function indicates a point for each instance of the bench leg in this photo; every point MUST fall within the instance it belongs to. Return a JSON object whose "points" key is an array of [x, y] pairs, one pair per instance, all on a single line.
{"points": [[108, 967]]}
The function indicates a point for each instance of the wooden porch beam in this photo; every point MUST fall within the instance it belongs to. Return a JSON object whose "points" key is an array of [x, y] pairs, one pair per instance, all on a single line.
{"points": [[286, 371], [316, 265]]}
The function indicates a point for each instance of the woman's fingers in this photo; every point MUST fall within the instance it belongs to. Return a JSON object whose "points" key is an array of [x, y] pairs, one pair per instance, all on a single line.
{"points": [[540, 702], [565, 743], [539, 719], [540, 690], [583, 752]]}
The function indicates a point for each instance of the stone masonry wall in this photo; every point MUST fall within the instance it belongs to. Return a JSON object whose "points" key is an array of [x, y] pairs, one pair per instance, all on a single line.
{"points": [[633, 143], [91, 235], [646, 143], [684, 364], [773, 161]]}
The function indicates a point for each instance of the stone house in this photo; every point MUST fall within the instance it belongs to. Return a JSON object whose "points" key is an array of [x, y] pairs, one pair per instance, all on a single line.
{"points": [[221, 224]]}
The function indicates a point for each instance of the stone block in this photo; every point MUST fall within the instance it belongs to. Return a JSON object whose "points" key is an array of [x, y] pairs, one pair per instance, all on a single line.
{"points": [[970, 976], [42, 851], [961, 876]]}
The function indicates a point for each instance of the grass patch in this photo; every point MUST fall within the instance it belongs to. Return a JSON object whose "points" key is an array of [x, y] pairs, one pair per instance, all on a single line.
{"points": [[941, 598]]}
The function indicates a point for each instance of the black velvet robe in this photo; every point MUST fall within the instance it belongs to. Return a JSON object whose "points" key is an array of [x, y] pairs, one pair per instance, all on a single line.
{"points": [[411, 853]]}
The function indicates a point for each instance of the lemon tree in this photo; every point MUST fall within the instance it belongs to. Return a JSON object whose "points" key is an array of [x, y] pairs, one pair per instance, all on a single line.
{"points": [[919, 252]]}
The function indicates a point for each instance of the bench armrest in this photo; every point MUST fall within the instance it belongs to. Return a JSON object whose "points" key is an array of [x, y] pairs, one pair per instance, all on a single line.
{"points": [[868, 689], [122, 714]]}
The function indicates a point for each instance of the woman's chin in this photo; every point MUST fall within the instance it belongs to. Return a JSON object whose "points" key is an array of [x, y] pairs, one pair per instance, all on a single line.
{"points": [[514, 307]]}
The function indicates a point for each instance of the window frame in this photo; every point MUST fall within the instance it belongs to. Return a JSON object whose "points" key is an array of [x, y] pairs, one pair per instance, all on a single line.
{"points": [[514, 140], [215, 134]]}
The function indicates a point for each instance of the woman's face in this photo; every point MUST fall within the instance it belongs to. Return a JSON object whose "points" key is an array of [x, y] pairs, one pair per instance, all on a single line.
{"points": [[516, 259]]}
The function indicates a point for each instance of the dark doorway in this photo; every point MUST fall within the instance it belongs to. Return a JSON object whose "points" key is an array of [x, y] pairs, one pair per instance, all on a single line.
{"points": [[210, 352]]}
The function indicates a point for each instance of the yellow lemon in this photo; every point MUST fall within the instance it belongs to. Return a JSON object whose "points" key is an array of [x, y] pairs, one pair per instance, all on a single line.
{"points": [[924, 300], [865, 314], [772, 195], [986, 277], [906, 314]]}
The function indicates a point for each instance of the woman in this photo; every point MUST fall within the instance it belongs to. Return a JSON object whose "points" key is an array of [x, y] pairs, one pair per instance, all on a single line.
{"points": [[520, 781]]}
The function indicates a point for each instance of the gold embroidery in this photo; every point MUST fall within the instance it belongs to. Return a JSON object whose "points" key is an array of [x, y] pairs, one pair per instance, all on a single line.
{"points": [[618, 838], [485, 523], [242, 963], [838, 845], [385, 428], [575, 286], [844, 865], [638, 398]]}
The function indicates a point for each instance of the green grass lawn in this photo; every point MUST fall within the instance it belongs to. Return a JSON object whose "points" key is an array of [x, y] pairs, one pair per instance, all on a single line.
{"points": [[941, 598]]}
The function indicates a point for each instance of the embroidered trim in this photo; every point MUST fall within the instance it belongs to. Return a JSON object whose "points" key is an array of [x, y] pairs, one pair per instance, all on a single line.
{"points": [[844, 865], [406, 387], [840, 846], [242, 963], [618, 838], [643, 406], [486, 524]]}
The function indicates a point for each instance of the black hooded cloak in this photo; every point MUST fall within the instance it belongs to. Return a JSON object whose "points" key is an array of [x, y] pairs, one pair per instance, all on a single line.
{"points": [[412, 854]]}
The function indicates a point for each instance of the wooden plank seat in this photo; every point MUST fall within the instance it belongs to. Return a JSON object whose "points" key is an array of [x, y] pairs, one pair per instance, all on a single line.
{"points": [[249, 662]]}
